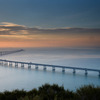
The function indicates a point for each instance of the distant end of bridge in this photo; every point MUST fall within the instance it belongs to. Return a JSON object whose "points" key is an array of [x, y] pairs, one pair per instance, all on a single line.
{"points": [[2, 53]]}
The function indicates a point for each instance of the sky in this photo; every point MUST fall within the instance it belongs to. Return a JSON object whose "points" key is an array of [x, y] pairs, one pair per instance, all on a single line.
{"points": [[50, 23]]}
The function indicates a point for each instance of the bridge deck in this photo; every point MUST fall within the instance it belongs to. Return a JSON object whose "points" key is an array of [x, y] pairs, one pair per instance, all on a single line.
{"points": [[55, 66]]}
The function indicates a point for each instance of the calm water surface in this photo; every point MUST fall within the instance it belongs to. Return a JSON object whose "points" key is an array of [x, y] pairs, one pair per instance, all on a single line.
{"points": [[17, 78]]}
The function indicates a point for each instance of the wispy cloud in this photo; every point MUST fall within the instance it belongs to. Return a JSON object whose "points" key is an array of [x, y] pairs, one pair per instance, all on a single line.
{"points": [[10, 24], [37, 36], [7, 28]]}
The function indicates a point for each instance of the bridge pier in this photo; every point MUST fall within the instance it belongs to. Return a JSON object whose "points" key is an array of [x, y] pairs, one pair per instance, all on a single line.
{"points": [[22, 65], [10, 64], [16, 64], [86, 72], [99, 73], [44, 68], [6, 64], [74, 71], [53, 69], [29, 66], [36, 67], [63, 70], [1, 63]]}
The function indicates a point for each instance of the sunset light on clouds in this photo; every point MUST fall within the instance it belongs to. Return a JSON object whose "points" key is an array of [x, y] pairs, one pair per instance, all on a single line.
{"points": [[14, 35]]}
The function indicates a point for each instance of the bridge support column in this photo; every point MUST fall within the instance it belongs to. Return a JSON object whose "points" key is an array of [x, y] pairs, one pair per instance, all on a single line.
{"points": [[10, 64], [74, 71], [44, 68], [86, 72], [63, 70], [36, 67], [6, 64], [53, 69], [29, 66], [22, 65], [16, 64], [1, 63], [99, 73]]}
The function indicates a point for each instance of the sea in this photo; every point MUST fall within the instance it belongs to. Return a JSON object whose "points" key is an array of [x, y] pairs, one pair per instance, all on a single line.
{"points": [[12, 78]]}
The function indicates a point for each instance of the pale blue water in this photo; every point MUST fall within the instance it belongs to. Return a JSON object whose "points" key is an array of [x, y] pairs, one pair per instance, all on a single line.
{"points": [[17, 78]]}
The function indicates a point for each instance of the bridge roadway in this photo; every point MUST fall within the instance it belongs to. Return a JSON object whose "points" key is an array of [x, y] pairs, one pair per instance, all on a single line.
{"points": [[48, 65]]}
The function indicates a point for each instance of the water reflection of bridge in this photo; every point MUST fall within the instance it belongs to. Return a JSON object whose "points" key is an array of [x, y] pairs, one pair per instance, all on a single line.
{"points": [[45, 66]]}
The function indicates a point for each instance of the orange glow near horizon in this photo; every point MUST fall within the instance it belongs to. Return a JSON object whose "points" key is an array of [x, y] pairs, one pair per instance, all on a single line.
{"points": [[61, 41], [14, 35]]}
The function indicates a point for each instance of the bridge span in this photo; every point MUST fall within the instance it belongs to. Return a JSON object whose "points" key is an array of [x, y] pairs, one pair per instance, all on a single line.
{"points": [[45, 66]]}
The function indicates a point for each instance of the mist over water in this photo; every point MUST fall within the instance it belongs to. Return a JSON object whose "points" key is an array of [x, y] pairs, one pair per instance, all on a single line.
{"points": [[13, 78]]}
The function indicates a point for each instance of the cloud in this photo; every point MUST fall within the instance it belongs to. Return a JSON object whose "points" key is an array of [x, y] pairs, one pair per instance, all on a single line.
{"points": [[9, 24], [66, 37], [7, 28]]}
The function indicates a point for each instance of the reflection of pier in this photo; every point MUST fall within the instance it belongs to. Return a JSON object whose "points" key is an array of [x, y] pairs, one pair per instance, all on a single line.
{"points": [[45, 66], [10, 52]]}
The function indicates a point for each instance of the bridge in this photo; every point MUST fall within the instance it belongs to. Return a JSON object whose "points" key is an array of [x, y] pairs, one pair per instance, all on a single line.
{"points": [[2, 53], [45, 66]]}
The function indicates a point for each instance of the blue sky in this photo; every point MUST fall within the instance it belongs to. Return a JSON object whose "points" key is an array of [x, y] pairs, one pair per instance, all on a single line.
{"points": [[51, 13]]}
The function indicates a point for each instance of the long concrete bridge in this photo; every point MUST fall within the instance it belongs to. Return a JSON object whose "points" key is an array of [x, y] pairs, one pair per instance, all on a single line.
{"points": [[2, 53], [45, 66]]}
